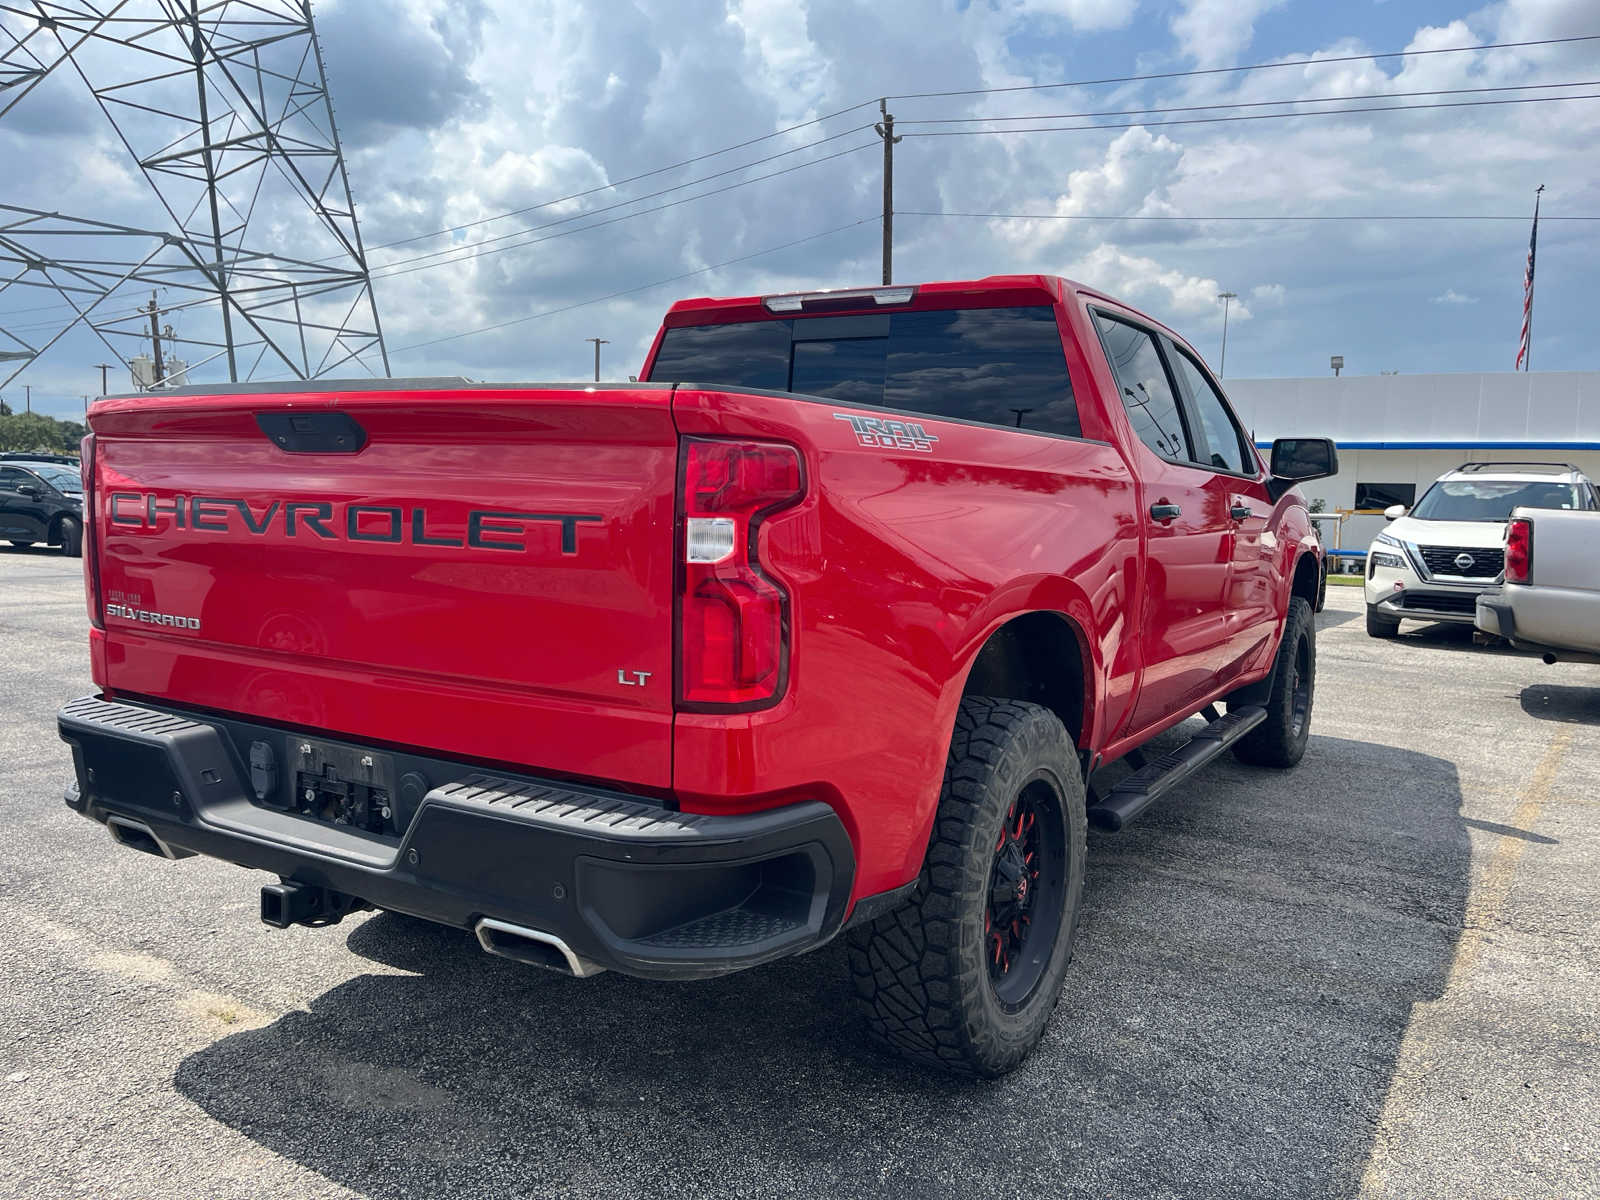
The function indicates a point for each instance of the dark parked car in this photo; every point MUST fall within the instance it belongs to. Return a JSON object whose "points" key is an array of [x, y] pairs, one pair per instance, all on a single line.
{"points": [[41, 501]]}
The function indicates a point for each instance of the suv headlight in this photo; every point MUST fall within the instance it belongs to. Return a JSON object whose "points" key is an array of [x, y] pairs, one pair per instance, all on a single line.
{"points": [[1388, 541], [1380, 559]]}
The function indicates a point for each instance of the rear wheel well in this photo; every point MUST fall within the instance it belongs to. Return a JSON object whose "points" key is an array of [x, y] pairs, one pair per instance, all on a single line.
{"points": [[1037, 657]]}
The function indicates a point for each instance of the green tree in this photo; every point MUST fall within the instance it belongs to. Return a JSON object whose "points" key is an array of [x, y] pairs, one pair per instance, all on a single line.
{"points": [[35, 433]]}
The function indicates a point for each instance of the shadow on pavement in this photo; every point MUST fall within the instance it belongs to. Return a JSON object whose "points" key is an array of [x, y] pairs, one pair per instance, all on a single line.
{"points": [[37, 550], [1249, 958], [1329, 617], [1572, 705]]}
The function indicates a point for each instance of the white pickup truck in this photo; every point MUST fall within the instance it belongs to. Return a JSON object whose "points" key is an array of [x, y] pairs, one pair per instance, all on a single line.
{"points": [[1550, 600]]}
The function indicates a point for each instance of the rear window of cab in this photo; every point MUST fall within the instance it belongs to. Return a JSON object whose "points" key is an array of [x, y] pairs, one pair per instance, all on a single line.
{"points": [[994, 366]]}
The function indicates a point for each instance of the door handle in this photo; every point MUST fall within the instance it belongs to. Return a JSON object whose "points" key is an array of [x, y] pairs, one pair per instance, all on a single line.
{"points": [[1239, 512], [1164, 512]]}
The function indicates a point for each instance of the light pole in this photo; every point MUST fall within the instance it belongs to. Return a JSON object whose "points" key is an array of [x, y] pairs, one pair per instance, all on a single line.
{"points": [[598, 342], [1226, 298]]}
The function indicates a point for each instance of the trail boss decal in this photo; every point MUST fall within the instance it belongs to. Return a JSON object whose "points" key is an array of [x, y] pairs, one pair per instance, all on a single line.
{"points": [[485, 529], [879, 433]]}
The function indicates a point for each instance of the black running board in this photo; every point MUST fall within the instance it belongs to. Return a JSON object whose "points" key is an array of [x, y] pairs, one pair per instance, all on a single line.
{"points": [[1136, 792]]}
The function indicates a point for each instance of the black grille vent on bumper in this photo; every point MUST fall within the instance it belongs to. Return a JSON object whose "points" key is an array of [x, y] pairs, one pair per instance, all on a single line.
{"points": [[1441, 602], [1487, 561]]}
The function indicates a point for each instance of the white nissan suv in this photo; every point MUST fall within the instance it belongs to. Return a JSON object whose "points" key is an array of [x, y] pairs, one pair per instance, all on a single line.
{"points": [[1431, 563]]}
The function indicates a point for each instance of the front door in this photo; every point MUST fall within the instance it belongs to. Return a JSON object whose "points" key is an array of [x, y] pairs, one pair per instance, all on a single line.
{"points": [[1251, 603], [20, 519]]}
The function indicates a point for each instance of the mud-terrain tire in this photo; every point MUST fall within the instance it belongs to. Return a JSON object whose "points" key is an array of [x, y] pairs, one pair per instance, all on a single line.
{"points": [[1381, 627], [1280, 740], [999, 892], [71, 538]]}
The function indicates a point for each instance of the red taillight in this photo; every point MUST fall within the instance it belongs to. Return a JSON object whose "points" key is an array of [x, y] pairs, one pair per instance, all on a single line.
{"points": [[732, 617], [91, 552], [1519, 550]]}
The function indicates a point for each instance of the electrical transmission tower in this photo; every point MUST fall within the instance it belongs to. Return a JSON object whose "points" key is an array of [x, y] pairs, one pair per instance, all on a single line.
{"points": [[247, 224]]}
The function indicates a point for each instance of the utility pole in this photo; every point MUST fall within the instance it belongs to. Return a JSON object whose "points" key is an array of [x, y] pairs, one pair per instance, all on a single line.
{"points": [[598, 342], [1226, 298], [155, 338], [27, 396], [104, 367], [885, 130]]}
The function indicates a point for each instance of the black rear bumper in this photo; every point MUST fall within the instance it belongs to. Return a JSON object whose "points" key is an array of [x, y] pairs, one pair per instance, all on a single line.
{"points": [[624, 883]]}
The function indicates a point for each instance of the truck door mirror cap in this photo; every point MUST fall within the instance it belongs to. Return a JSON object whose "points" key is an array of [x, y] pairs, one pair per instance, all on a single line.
{"points": [[1394, 512], [1302, 459]]}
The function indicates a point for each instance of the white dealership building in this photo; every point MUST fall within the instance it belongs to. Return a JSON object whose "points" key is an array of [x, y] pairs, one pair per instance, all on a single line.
{"points": [[1398, 433]]}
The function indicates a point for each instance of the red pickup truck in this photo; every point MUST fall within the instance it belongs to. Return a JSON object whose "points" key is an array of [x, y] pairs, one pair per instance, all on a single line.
{"points": [[676, 678]]}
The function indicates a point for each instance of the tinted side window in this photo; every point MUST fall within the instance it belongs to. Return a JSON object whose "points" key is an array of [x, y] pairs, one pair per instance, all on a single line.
{"points": [[1224, 443], [751, 354], [11, 478], [1002, 366], [1146, 391]]}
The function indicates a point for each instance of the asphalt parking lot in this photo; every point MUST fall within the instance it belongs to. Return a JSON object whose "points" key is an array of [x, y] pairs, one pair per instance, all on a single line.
{"points": [[1376, 975]]}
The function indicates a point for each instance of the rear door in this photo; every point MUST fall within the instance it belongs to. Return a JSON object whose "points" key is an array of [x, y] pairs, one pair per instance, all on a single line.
{"points": [[1189, 532], [480, 572]]}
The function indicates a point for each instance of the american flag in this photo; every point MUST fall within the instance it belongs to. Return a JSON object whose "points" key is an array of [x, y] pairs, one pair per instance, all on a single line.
{"points": [[1524, 348]]}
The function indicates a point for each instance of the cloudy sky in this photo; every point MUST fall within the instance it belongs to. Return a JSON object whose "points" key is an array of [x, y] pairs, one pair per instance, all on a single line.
{"points": [[454, 113]]}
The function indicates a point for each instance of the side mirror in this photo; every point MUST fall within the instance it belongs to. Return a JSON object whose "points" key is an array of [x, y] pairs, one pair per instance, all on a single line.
{"points": [[1303, 459], [1394, 512], [30, 490]]}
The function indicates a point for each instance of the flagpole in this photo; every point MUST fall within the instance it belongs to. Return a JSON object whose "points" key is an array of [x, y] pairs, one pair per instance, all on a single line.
{"points": [[1533, 282]]}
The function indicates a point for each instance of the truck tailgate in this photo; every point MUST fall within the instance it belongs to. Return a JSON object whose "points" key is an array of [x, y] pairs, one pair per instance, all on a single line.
{"points": [[481, 571]]}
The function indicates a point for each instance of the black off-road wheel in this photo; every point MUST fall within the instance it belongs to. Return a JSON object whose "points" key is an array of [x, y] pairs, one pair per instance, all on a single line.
{"points": [[71, 538], [966, 975], [1280, 740], [1381, 627]]}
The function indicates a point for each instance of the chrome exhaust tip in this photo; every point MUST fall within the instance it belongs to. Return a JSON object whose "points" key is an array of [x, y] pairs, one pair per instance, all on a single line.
{"points": [[136, 835], [533, 947]]}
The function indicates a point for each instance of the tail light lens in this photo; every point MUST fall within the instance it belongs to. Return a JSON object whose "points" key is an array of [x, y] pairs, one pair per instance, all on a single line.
{"points": [[733, 619], [1519, 550], [91, 550]]}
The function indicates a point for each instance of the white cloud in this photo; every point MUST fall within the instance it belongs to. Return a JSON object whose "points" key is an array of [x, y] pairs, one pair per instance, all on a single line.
{"points": [[1146, 281], [1213, 32], [1084, 15], [1451, 296], [1269, 295]]}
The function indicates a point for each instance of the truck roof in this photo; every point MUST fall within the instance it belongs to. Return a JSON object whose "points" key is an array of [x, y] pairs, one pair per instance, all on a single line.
{"points": [[1516, 472], [992, 291]]}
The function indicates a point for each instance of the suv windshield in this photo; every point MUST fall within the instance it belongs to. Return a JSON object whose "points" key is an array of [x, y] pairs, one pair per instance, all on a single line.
{"points": [[999, 366], [1491, 500]]}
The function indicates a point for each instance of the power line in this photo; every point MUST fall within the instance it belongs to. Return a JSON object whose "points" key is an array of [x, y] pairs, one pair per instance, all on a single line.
{"points": [[999, 216], [1129, 112], [967, 92], [644, 287], [604, 187], [1327, 112], [471, 251], [464, 253], [1300, 62]]}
